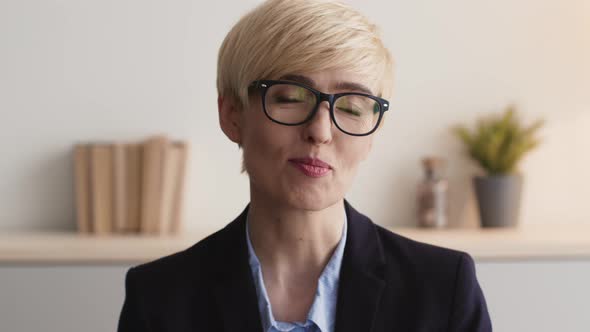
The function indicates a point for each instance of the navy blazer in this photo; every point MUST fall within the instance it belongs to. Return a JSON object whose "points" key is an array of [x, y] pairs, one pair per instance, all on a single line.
{"points": [[387, 283]]}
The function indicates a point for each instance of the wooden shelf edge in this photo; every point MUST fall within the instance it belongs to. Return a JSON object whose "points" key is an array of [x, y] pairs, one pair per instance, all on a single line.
{"points": [[537, 242]]}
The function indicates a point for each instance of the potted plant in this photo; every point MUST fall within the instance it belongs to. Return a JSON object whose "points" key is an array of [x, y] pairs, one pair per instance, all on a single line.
{"points": [[497, 145]]}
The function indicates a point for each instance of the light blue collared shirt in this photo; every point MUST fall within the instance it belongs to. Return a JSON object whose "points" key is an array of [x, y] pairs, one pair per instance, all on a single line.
{"points": [[322, 314]]}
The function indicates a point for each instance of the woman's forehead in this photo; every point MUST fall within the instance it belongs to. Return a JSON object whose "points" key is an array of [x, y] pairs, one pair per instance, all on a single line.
{"points": [[334, 80]]}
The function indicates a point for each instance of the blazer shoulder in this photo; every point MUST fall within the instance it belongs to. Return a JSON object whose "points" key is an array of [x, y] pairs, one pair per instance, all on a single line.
{"points": [[157, 292], [441, 276], [183, 264], [422, 257]]}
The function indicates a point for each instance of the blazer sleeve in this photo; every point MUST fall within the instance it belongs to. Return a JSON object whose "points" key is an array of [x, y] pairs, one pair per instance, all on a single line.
{"points": [[132, 317], [469, 311]]}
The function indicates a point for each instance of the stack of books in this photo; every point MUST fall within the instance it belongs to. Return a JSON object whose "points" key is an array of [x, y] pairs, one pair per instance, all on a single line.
{"points": [[129, 187]]}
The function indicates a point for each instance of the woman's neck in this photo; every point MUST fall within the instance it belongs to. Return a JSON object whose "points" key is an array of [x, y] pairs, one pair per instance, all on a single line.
{"points": [[291, 242]]}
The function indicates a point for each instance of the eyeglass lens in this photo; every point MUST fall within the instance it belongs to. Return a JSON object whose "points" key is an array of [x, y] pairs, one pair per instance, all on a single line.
{"points": [[292, 104]]}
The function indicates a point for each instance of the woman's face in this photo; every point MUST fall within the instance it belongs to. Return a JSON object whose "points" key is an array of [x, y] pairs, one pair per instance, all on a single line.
{"points": [[277, 157]]}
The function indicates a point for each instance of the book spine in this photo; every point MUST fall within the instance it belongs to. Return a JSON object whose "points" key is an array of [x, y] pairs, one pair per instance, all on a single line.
{"points": [[134, 186], [120, 184], [152, 184], [179, 194], [82, 188], [169, 173], [102, 188]]}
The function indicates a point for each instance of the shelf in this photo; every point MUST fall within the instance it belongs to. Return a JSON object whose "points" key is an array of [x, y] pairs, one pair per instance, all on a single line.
{"points": [[543, 241], [70, 247], [524, 243]]}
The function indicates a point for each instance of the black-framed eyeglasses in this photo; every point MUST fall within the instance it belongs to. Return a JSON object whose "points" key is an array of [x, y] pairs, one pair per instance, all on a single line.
{"points": [[292, 103]]}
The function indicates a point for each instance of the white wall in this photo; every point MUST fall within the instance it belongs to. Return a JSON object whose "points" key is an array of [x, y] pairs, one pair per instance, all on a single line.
{"points": [[102, 70]]}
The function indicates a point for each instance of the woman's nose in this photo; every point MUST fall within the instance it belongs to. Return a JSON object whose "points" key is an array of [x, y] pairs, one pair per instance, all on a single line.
{"points": [[319, 128]]}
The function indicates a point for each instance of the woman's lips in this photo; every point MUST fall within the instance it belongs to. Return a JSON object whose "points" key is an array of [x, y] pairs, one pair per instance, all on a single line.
{"points": [[311, 167]]}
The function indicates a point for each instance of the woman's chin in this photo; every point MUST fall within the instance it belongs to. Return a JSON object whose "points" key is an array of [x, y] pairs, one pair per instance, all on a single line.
{"points": [[311, 202]]}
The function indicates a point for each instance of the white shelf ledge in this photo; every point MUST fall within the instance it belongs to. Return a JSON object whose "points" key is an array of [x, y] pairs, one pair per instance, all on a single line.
{"points": [[524, 243]]}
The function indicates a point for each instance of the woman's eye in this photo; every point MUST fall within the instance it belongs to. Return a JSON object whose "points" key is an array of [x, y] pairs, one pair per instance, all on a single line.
{"points": [[349, 111], [287, 99]]}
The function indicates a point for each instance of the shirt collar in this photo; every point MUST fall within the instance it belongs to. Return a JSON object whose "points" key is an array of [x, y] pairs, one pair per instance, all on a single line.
{"points": [[323, 309]]}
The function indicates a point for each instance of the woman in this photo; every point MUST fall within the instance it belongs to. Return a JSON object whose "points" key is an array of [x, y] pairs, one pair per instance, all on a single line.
{"points": [[303, 88]]}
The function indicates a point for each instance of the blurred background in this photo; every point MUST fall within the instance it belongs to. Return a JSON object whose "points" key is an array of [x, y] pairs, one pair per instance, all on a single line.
{"points": [[73, 71]]}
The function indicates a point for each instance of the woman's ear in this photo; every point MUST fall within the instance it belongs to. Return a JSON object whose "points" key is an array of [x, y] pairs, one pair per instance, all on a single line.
{"points": [[229, 118]]}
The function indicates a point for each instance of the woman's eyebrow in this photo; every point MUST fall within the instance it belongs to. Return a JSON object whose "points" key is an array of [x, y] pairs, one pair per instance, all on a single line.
{"points": [[299, 78], [351, 86]]}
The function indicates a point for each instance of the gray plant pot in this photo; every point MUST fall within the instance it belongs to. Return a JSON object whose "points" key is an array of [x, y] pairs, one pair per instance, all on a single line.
{"points": [[498, 199]]}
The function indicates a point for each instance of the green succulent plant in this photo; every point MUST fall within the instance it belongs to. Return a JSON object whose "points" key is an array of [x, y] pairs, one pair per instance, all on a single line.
{"points": [[500, 141]]}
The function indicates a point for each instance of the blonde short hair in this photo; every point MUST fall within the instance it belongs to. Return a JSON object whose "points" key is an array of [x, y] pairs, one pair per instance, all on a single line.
{"points": [[281, 37]]}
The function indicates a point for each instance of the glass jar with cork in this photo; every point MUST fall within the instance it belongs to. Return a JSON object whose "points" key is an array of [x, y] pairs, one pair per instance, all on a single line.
{"points": [[432, 196]]}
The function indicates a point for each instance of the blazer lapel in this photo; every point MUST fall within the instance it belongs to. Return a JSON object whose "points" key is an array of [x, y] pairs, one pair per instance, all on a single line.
{"points": [[361, 282], [234, 289]]}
